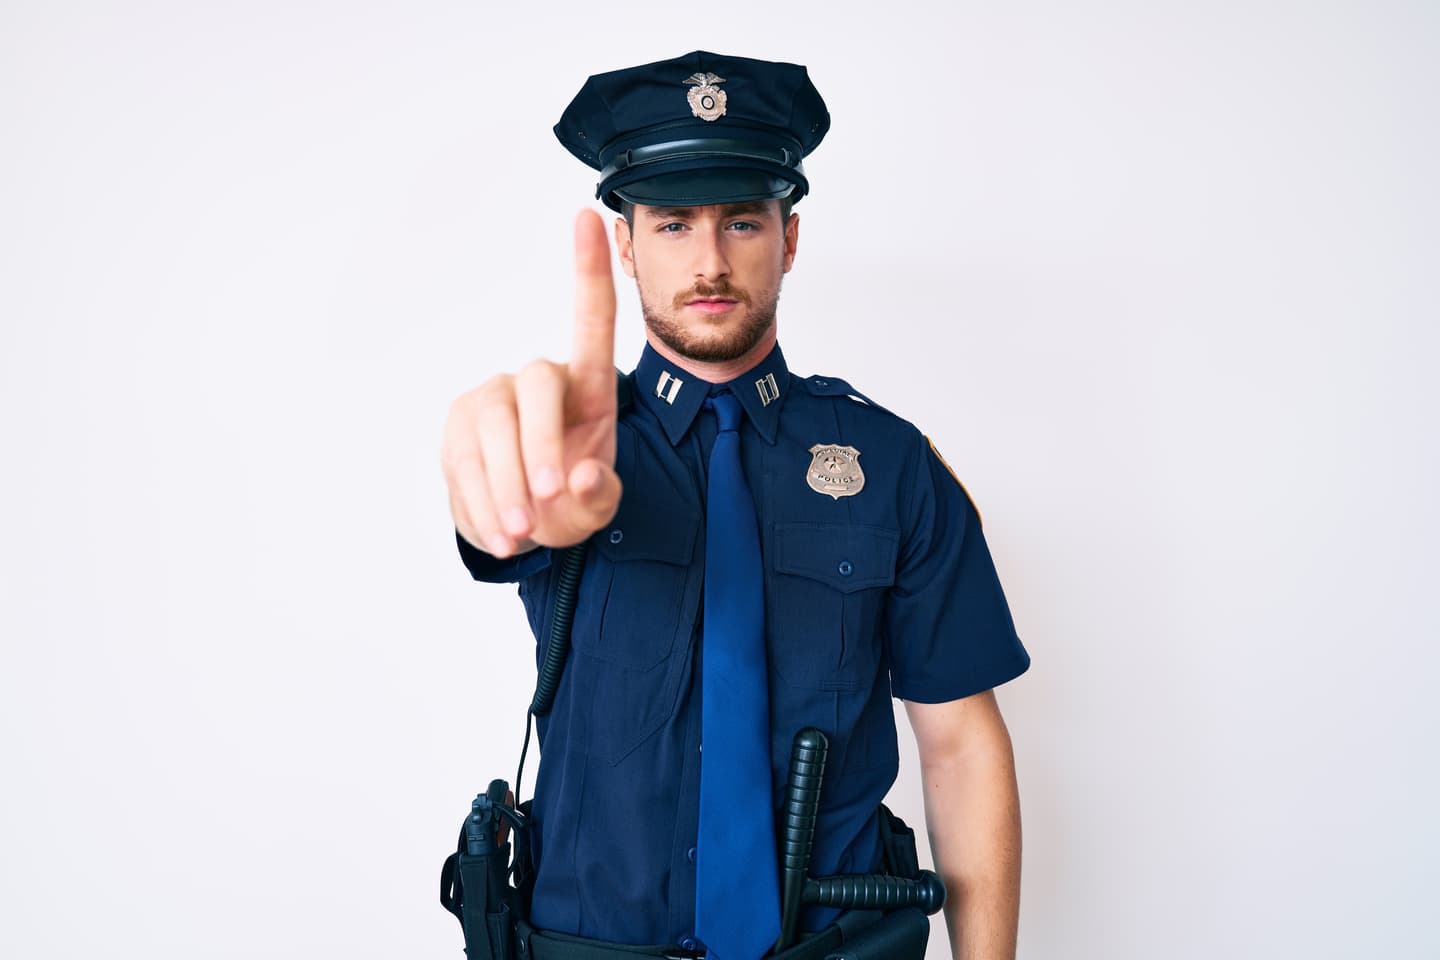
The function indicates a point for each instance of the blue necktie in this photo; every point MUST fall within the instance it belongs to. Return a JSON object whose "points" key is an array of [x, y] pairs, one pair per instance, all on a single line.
{"points": [[737, 892]]}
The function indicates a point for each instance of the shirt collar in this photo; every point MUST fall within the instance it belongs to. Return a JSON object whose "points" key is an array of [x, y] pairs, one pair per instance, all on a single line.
{"points": [[675, 395]]}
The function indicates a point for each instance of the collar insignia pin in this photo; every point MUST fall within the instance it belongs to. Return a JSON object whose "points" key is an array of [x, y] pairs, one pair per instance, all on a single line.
{"points": [[707, 101], [668, 387], [835, 469], [768, 389]]}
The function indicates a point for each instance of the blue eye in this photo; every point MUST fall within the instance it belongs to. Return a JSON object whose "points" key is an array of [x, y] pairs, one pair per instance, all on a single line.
{"points": [[672, 227], [743, 226]]}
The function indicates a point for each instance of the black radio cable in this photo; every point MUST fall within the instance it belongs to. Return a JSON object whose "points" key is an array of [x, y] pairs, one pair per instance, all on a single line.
{"points": [[557, 647]]}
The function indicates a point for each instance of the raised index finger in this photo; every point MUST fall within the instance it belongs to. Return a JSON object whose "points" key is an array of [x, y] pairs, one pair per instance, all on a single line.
{"points": [[594, 299]]}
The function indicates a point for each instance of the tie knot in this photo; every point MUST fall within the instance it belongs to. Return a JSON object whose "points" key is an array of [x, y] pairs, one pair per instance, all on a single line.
{"points": [[727, 410]]}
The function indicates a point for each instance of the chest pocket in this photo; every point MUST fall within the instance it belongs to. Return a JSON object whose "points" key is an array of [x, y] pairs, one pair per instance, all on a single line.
{"points": [[638, 585], [637, 604], [826, 596]]}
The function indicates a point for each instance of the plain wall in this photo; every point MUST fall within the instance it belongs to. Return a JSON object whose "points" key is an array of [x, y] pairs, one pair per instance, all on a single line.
{"points": [[1159, 279]]}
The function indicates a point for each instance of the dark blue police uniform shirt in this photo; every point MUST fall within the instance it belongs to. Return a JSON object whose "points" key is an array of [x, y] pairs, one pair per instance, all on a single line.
{"points": [[887, 592]]}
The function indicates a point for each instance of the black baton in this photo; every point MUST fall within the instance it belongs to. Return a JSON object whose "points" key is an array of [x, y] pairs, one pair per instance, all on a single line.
{"points": [[802, 805], [877, 892]]}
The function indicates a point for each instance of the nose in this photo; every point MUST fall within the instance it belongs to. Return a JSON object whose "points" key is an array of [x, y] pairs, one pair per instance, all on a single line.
{"points": [[710, 261]]}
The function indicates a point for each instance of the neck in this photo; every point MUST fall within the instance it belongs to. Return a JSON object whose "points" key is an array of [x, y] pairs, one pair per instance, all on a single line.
{"points": [[717, 372]]}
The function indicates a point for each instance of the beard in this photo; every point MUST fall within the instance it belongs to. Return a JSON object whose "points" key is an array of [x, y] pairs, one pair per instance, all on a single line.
{"points": [[720, 346]]}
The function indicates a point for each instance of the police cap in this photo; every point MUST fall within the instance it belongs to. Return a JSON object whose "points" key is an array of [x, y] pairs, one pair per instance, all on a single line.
{"points": [[698, 129]]}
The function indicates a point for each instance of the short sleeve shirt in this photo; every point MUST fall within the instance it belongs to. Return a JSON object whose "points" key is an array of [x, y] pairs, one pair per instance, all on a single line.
{"points": [[876, 586]]}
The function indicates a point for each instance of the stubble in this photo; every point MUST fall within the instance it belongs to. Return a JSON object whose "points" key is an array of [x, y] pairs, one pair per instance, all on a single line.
{"points": [[703, 347]]}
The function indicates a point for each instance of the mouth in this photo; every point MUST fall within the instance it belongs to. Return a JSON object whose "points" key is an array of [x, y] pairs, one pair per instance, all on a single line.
{"points": [[712, 304]]}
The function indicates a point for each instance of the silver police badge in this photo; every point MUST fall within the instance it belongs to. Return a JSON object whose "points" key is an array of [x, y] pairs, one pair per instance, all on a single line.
{"points": [[835, 470], [707, 101]]}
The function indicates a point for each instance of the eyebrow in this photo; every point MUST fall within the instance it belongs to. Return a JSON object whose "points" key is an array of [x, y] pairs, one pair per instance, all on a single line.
{"points": [[745, 208]]}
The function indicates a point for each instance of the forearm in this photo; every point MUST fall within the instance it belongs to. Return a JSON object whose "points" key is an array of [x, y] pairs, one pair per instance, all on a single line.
{"points": [[972, 811]]}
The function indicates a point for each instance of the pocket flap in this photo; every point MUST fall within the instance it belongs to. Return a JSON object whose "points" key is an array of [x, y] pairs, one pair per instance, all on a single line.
{"points": [[845, 556], [640, 532]]}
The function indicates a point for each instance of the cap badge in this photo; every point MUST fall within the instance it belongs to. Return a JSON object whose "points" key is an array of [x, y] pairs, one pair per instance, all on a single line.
{"points": [[835, 470], [707, 101]]}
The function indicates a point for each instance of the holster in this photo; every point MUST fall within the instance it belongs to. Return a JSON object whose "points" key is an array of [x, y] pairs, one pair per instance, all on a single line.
{"points": [[902, 858], [475, 881], [898, 935]]}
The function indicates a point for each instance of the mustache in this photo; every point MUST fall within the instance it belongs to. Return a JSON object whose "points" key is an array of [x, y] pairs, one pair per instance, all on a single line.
{"points": [[703, 289]]}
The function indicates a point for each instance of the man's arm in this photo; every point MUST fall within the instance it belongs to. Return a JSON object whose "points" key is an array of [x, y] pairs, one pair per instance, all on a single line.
{"points": [[972, 813]]}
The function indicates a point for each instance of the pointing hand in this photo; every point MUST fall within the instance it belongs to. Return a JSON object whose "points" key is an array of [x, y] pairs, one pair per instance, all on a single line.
{"points": [[530, 457]]}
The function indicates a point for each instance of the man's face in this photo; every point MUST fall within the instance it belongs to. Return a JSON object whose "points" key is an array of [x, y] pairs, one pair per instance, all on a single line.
{"points": [[709, 277]]}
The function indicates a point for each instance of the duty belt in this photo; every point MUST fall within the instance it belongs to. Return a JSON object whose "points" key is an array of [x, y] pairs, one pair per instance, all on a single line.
{"points": [[857, 935]]}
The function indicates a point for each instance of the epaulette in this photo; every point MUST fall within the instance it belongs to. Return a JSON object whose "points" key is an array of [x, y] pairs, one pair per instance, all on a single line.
{"points": [[821, 386]]}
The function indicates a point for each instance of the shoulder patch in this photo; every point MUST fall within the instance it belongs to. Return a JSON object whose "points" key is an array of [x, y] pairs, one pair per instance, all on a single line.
{"points": [[951, 470], [822, 386]]}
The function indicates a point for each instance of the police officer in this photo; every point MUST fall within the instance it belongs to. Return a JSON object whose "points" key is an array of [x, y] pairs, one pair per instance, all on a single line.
{"points": [[869, 566]]}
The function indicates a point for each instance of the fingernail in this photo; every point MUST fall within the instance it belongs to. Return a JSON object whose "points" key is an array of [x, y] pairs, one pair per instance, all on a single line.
{"points": [[499, 546], [547, 482], [516, 522]]}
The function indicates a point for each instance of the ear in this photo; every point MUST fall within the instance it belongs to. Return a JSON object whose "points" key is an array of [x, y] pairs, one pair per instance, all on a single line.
{"points": [[625, 247], [792, 240]]}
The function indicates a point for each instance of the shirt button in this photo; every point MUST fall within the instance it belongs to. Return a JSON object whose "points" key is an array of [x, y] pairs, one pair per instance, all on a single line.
{"points": [[690, 854], [617, 535], [845, 568], [689, 943]]}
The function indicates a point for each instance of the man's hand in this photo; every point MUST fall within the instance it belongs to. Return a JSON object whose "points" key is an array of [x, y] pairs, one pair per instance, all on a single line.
{"points": [[530, 458]]}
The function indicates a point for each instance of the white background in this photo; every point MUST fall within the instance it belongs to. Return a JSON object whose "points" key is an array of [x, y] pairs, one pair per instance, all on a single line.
{"points": [[1159, 279]]}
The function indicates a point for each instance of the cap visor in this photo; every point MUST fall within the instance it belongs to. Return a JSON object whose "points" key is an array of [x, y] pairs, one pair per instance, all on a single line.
{"points": [[694, 188]]}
